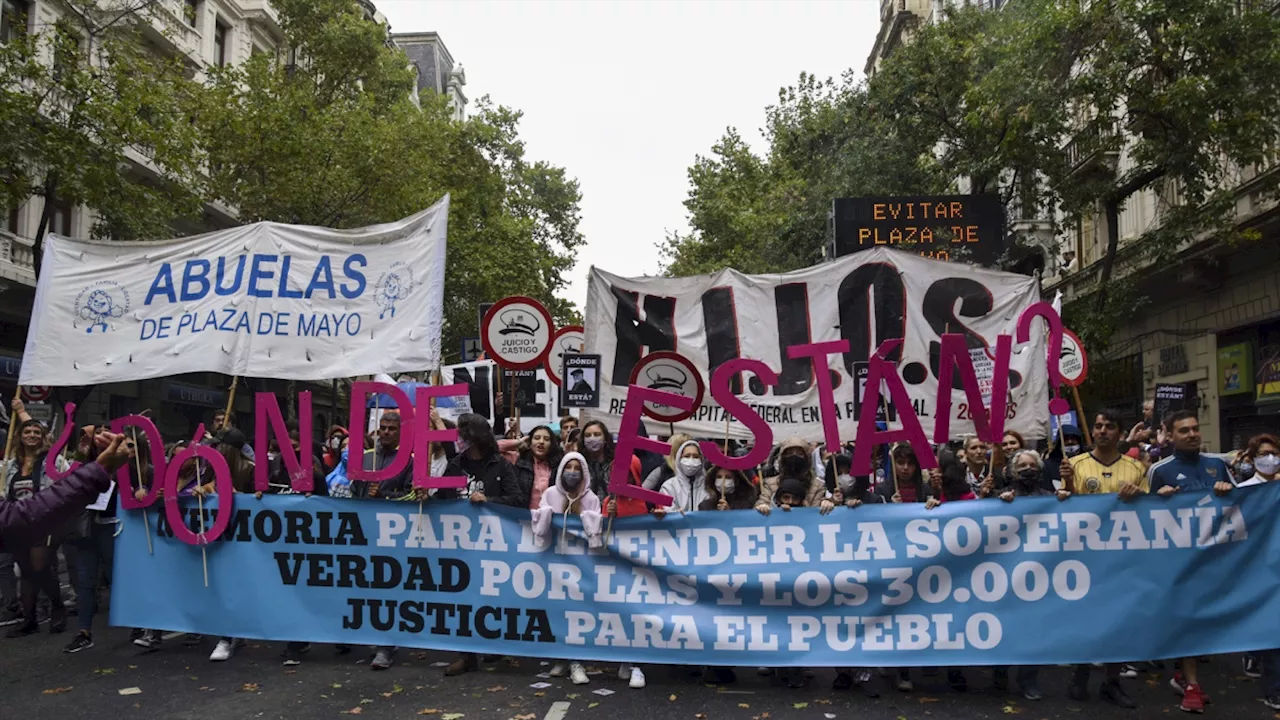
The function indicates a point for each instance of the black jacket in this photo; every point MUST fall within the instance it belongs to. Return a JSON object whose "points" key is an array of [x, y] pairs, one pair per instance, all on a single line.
{"points": [[497, 480], [524, 474]]}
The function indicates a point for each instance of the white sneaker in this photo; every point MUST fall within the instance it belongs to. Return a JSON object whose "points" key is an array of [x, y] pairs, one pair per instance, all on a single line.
{"points": [[637, 677], [624, 671], [558, 670], [223, 651], [578, 674]]}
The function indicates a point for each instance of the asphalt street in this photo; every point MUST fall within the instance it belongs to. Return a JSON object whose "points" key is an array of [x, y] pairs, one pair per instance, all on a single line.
{"points": [[116, 680]]}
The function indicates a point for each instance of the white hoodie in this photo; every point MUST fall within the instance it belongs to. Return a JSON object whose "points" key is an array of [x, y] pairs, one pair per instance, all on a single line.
{"points": [[557, 499], [687, 492]]}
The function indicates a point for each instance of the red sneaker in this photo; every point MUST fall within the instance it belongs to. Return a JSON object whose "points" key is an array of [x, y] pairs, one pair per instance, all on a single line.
{"points": [[1180, 686], [1192, 699]]}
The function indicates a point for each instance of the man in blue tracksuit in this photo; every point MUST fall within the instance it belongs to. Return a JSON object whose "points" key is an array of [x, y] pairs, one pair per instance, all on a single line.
{"points": [[1188, 470]]}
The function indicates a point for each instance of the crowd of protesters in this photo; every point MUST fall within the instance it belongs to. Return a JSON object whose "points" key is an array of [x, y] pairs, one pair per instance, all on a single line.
{"points": [[564, 468]]}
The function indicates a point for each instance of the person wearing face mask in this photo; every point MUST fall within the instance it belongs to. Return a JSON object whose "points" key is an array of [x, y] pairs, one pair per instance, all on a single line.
{"points": [[571, 495], [729, 490], [597, 447], [793, 462], [1026, 466], [1263, 453], [688, 487], [334, 444], [667, 470]]}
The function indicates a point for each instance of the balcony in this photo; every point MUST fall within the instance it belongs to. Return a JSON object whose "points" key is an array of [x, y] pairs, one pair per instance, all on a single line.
{"points": [[1096, 147], [17, 259]]}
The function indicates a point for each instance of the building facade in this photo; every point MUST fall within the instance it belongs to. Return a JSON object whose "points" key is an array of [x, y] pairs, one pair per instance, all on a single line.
{"points": [[436, 69]]}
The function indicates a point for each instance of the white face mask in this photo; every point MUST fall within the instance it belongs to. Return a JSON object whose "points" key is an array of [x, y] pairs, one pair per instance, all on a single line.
{"points": [[844, 482], [690, 466], [725, 485], [1267, 464]]}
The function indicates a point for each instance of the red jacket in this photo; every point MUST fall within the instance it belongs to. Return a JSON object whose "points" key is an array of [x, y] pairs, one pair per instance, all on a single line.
{"points": [[630, 506], [43, 512]]}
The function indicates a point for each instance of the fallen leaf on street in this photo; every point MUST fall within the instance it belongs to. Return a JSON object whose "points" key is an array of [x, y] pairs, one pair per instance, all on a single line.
{"points": [[1011, 710], [103, 671], [571, 696], [829, 716], [800, 705], [336, 685], [131, 691], [133, 667], [540, 693], [497, 688], [57, 691], [428, 711], [290, 672], [672, 698], [591, 705], [928, 699], [744, 706], [419, 656], [192, 677], [451, 716], [365, 701], [701, 716], [526, 716], [357, 710], [823, 701], [249, 687]]}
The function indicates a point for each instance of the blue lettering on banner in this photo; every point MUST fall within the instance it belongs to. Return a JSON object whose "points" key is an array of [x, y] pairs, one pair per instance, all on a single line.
{"points": [[263, 281], [1033, 582], [230, 320]]}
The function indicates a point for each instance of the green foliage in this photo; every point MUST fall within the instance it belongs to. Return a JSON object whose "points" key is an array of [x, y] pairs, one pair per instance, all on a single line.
{"points": [[336, 140], [826, 140], [81, 99]]}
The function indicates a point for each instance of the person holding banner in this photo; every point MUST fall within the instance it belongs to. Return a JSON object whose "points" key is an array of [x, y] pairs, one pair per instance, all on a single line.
{"points": [[335, 443], [24, 477], [793, 463], [729, 490], [489, 478], [1188, 470], [571, 495], [597, 447]]}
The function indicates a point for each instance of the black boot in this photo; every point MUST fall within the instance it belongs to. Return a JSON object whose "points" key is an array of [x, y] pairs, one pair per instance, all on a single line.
{"points": [[1114, 694]]}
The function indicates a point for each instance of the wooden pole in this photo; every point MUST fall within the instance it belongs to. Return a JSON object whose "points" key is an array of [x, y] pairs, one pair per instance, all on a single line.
{"points": [[13, 427], [1084, 424], [204, 554], [231, 401], [137, 464]]}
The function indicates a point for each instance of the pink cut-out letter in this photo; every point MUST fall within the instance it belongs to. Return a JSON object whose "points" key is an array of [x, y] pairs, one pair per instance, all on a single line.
{"points": [[355, 451], [722, 393], [266, 412], [222, 485], [989, 426], [880, 370], [64, 437], [1058, 405], [629, 442], [424, 435], [819, 352], [126, 474]]}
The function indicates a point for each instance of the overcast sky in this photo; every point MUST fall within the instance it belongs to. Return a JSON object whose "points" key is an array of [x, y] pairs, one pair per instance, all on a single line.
{"points": [[624, 95]]}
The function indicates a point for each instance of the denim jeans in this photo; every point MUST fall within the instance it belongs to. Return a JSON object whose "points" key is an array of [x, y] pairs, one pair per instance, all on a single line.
{"points": [[93, 556]]}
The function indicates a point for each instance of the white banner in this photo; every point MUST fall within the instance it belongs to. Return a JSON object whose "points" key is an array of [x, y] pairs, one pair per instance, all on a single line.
{"points": [[866, 298], [261, 300]]}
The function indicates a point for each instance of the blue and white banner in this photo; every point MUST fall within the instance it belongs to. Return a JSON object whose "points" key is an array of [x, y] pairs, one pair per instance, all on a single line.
{"points": [[968, 583], [260, 300]]}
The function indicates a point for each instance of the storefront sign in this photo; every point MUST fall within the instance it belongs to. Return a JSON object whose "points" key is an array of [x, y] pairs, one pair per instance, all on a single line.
{"points": [[1173, 360], [1235, 368], [195, 395]]}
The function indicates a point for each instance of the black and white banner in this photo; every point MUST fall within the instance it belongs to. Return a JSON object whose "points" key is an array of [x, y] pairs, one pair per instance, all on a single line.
{"points": [[866, 299]]}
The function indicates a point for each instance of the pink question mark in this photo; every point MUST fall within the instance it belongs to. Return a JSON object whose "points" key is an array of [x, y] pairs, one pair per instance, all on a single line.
{"points": [[1058, 405]]}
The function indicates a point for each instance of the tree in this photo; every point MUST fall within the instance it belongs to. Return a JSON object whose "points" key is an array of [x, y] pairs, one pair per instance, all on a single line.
{"points": [[826, 140], [335, 139], [90, 115]]}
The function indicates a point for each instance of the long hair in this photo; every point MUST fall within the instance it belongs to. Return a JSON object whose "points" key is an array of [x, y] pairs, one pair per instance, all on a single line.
{"points": [[476, 431], [554, 453], [676, 441], [955, 475], [21, 452], [904, 451], [241, 467], [607, 452]]}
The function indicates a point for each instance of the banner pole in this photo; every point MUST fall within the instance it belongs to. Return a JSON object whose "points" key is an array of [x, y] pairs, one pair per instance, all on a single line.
{"points": [[204, 555], [1084, 424], [137, 464], [13, 427], [231, 401]]}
